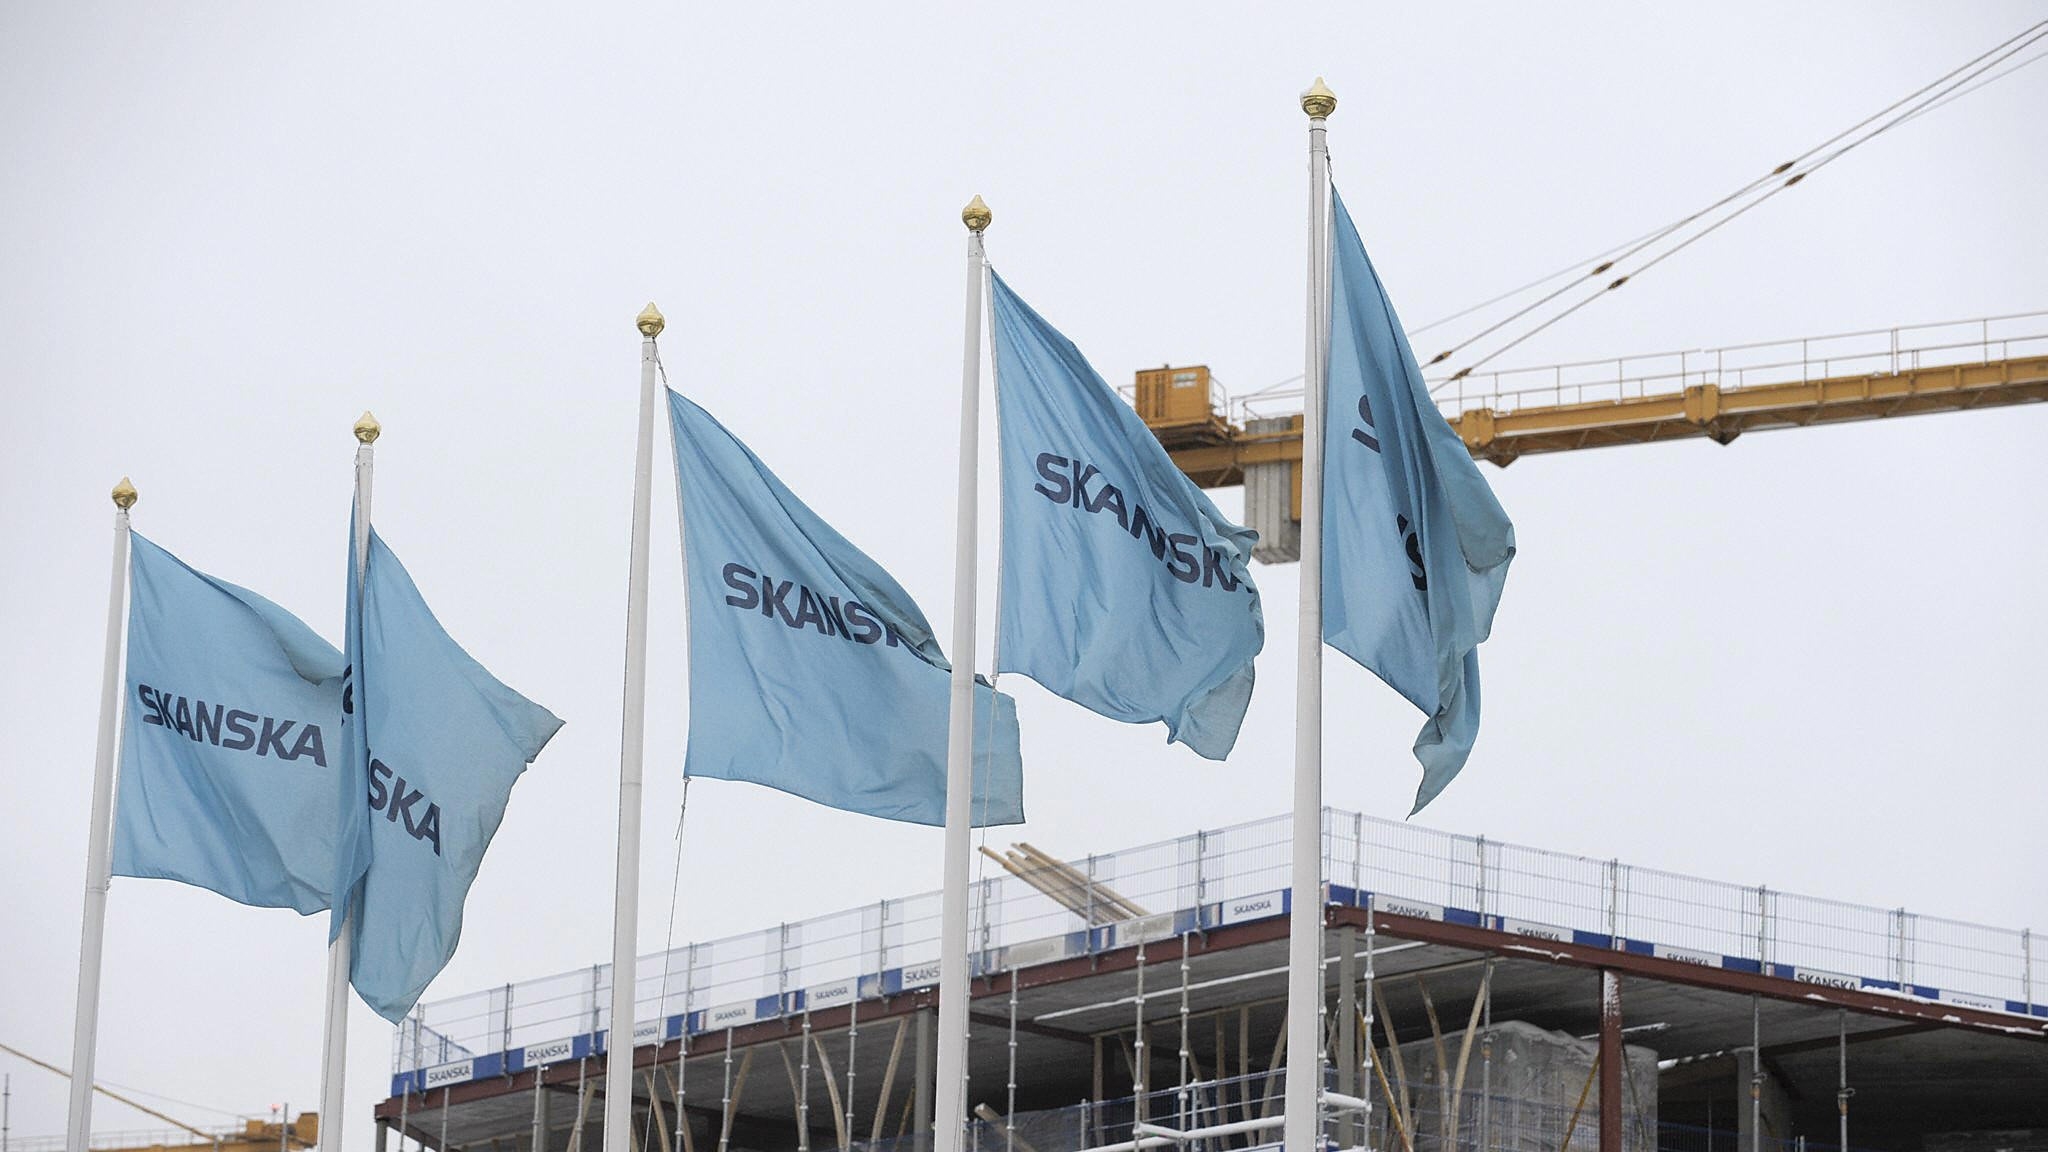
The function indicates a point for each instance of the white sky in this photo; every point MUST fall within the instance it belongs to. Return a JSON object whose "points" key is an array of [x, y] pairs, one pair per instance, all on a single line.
{"points": [[1811, 659]]}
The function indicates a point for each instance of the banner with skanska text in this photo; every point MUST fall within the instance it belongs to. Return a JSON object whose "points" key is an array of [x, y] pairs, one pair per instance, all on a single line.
{"points": [[1123, 588], [231, 748], [1415, 546], [811, 670], [435, 743]]}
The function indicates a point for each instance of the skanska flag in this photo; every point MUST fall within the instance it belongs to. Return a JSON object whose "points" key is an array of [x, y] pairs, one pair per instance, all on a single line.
{"points": [[1123, 588], [434, 744], [1415, 546], [811, 670], [232, 747]]}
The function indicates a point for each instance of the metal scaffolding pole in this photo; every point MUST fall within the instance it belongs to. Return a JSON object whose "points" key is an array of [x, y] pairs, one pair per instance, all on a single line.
{"points": [[1347, 1030]]}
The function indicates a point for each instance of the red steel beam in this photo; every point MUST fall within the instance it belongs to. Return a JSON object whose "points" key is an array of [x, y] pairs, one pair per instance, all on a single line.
{"points": [[1610, 1061]]}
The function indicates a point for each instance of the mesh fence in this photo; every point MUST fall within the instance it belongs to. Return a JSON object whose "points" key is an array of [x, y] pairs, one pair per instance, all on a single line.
{"points": [[1015, 922]]}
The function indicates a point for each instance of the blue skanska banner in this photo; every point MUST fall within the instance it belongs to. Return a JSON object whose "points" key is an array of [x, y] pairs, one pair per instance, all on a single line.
{"points": [[1415, 547], [232, 746], [811, 670], [1123, 588], [434, 745]]}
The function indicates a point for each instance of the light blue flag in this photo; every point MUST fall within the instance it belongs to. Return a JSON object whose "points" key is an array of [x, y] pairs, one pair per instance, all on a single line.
{"points": [[232, 745], [435, 743], [1415, 547], [1123, 588], [811, 670]]}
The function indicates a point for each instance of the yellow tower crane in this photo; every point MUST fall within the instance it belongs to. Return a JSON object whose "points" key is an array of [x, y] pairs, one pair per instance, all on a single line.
{"points": [[287, 1134], [1715, 393]]}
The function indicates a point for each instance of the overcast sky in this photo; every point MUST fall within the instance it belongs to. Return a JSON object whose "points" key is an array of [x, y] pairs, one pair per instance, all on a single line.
{"points": [[1812, 659]]}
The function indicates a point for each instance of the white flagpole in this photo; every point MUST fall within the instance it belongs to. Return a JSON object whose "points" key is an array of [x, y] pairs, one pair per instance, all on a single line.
{"points": [[1305, 917], [950, 1115], [99, 848], [618, 1073], [341, 951]]}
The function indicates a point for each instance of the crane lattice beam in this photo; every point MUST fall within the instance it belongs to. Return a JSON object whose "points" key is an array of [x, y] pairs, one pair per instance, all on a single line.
{"points": [[1723, 413]]}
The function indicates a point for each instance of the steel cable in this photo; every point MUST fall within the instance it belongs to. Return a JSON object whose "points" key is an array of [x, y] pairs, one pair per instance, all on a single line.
{"points": [[1952, 85]]}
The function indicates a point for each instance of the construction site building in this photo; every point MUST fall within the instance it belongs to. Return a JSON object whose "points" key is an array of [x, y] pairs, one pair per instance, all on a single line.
{"points": [[1478, 995]]}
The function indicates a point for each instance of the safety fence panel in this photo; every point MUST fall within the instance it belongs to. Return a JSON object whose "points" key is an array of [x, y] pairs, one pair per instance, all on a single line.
{"points": [[1550, 889], [1827, 941], [1964, 959], [744, 967], [1010, 911], [1243, 860], [1708, 917], [1419, 864]]}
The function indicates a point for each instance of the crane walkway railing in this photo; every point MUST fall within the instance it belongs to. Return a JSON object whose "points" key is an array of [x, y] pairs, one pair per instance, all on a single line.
{"points": [[1873, 352]]}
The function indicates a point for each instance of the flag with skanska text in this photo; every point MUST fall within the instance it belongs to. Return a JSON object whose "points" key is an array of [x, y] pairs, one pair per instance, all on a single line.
{"points": [[1123, 588], [811, 669], [232, 742], [434, 745], [1415, 546]]}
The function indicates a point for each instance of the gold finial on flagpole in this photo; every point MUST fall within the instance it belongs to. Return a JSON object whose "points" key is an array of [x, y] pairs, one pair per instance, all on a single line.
{"points": [[125, 495], [367, 429], [650, 321], [1318, 100], [976, 215]]}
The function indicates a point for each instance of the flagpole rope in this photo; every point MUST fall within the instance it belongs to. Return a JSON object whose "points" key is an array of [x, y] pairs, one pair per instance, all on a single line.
{"points": [[667, 948], [995, 648], [995, 384], [676, 877]]}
